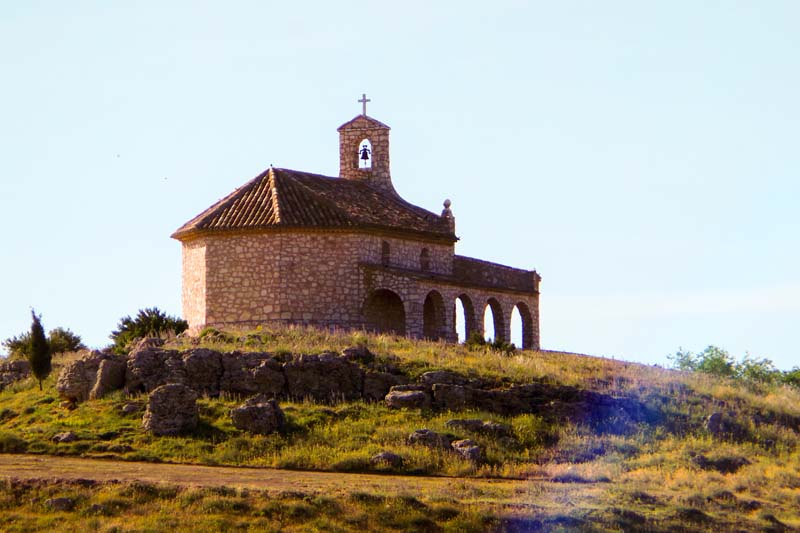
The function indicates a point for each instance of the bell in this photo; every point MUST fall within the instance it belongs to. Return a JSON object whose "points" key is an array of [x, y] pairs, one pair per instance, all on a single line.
{"points": [[364, 153]]}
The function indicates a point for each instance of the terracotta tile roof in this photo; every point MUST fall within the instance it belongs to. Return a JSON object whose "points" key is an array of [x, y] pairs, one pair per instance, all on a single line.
{"points": [[282, 198]]}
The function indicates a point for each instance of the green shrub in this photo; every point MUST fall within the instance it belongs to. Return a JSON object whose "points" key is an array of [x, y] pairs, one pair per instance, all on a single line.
{"points": [[150, 322], [63, 340], [10, 443], [39, 355], [60, 339], [476, 341]]}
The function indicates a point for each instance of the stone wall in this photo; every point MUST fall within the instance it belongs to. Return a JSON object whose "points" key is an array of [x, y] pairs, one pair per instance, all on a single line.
{"points": [[194, 281], [350, 137], [413, 291], [292, 277], [478, 272], [325, 279]]}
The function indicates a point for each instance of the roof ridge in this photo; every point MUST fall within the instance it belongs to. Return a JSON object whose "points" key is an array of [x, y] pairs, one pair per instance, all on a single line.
{"points": [[276, 206], [320, 199], [222, 203]]}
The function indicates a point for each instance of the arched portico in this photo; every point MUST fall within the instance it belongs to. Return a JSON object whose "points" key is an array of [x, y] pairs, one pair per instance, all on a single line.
{"points": [[433, 317], [384, 312]]}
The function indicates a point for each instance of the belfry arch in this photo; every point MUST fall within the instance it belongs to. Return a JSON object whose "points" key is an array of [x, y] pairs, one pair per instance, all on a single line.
{"points": [[384, 312]]}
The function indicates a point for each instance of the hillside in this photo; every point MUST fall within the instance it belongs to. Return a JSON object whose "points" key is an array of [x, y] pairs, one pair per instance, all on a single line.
{"points": [[601, 444]]}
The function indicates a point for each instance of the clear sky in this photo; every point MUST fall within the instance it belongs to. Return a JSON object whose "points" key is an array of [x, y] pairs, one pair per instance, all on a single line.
{"points": [[642, 156]]}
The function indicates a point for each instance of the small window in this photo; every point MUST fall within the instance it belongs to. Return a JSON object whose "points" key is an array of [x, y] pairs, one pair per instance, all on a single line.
{"points": [[425, 260], [385, 253]]}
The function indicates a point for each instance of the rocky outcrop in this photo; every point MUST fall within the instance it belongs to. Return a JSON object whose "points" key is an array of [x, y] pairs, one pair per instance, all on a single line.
{"points": [[110, 377], [237, 376], [486, 427], [12, 371], [431, 439], [412, 399], [203, 370], [468, 449], [92, 376], [444, 377], [68, 436], [148, 368], [60, 504], [378, 384], [171, 410], [326, 377], [355, 374], [260, 414], [387, 458]]}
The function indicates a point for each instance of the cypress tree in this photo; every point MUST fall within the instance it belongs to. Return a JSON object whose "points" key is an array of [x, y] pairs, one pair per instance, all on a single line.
{"points": [[39, 353]]}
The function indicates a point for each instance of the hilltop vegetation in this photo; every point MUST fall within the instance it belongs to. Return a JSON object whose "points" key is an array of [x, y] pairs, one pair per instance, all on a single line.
{"points": [[667, 469]]}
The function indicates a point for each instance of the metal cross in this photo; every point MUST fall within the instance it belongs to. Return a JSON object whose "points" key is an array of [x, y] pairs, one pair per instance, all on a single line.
{"points": [[364, 101]]}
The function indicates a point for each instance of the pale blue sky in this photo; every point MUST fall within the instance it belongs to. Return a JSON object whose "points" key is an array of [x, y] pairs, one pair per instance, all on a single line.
{"points": [[641, 155]]}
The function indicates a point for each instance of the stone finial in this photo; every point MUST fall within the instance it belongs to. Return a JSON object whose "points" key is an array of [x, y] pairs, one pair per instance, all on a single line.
{"points": [[446, 211], [447, 214]]}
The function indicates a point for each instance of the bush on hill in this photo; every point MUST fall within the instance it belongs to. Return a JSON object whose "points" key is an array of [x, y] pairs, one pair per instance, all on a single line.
{"points": [[718, 362], [149, 322]]}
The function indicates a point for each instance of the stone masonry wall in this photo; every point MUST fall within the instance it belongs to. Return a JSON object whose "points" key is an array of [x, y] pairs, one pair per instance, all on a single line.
{"points": [[413, 293], [194, 281], [324, 278], [292, 277], [350, 137]]}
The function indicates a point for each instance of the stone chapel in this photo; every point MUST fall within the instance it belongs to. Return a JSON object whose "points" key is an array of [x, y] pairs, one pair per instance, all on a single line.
{"points": [[292, 247]]}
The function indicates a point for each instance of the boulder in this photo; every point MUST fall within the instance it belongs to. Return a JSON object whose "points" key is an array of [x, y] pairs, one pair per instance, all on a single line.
{"points": [[148, 368], [259, 414], [81, 377], [246, 374], [431, 439], [13, 371], [268, 378], [65, 437], [409, 387], [359, 354], [387, 458], [407, 399], [148, 342], [325, 377], [467, 449], [714, 423], [130, 408], [443, 376], [110, 377], [378, 384], [203, 369], [450, 397], [171, 410], [486, 427], [60, 504]]}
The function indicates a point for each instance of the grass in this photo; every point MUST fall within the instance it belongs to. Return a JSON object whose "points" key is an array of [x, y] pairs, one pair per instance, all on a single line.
{"points": [[117, 507], [648, 477]]}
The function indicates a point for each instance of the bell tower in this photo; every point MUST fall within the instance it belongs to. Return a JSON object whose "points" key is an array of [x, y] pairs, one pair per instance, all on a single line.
{"points": [[364, 151]]}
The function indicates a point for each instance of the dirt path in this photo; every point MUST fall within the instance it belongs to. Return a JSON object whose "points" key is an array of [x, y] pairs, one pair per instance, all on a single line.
{"points": [[463, 489]]}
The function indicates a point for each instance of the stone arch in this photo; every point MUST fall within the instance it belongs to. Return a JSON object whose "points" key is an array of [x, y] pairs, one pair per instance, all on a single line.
{"points": [[365, 149], [433, 317], [498, 321], [425, 260], [384, 312], [526, 318], [386, 252], [470, 322]]}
